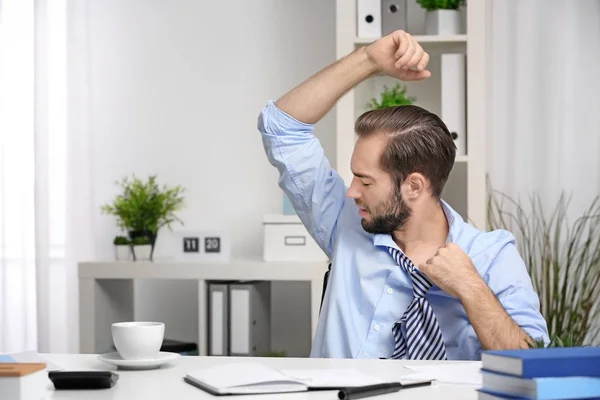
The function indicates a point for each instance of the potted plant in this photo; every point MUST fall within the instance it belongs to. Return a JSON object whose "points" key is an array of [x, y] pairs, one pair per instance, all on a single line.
{"points": [[143, 207], [142, 248], [395, 96], [122, 248], [442, 17], [562, 259]]}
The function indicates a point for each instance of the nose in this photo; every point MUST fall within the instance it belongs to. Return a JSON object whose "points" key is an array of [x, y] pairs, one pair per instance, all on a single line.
{"points": [[353, 191]]}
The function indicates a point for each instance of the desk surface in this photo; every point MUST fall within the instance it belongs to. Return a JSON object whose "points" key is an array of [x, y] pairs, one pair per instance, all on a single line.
{"points": [[167, 383]]}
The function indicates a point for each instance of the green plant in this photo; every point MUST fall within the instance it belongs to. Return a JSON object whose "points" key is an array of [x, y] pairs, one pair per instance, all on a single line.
{"points": [[432, 5], [144, 206], [395, 96], [141, 240], [121, 241], [563, 261], [568, 340]]}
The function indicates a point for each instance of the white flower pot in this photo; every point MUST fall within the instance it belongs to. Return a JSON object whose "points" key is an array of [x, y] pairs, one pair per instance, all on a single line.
{"points": [[142, 252], [123, 252], [442, 22]]}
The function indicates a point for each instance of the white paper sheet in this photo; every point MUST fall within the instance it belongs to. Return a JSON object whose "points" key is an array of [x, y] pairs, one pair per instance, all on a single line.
{"points": [[459, 373], [332, 377], [237, 374]]}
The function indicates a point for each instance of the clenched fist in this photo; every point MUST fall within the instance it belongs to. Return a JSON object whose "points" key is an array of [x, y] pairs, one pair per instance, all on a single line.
{"points": [[400, 56], [452, 270]]}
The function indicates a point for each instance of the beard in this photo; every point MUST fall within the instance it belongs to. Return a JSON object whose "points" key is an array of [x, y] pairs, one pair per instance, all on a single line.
{"points": [[390, 215]]}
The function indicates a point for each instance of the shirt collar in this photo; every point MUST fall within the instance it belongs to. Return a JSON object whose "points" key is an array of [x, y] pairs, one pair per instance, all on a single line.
{"points": [[455, 222]]}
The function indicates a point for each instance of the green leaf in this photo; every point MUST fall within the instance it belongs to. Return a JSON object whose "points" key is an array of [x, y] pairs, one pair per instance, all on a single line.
{"points": [[121, 240], [391, 97], [432, 5]]}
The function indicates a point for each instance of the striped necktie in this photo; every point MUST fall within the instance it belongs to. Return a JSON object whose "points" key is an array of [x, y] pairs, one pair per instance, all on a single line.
{"points": [[417, 332]]}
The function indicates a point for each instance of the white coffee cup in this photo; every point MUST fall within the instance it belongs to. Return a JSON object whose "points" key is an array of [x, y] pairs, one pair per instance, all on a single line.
{"points": [[138, 340]]}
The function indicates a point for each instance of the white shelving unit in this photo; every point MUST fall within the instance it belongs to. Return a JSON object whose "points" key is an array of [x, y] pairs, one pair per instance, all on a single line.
{"points": [[106, 290], [465, 190]]}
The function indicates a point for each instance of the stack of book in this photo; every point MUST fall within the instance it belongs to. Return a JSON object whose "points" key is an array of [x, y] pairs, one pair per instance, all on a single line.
{"points": [[541, 374]]}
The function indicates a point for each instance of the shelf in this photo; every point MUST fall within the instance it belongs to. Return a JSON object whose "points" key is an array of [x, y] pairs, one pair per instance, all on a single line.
{"points": [[107, 291], [422, 39], [205, 270], [433, 44]]}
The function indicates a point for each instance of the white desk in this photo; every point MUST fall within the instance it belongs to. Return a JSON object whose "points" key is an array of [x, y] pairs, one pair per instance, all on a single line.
{"points": [[106, 290], [167, 382]]}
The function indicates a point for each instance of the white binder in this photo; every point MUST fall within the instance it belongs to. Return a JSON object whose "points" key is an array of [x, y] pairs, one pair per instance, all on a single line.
{"points": [[218, 317], [250, 320], [393, 16], [453, 76], [368, 15]]}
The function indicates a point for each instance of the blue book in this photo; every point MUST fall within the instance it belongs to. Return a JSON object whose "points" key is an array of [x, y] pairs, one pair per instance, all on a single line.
{"points": [[5, 358], [484, 395], [544, 362], [562, 388]]}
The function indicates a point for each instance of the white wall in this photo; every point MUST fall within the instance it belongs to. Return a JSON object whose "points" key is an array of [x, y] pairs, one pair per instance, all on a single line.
{"points": [[175, 88]]}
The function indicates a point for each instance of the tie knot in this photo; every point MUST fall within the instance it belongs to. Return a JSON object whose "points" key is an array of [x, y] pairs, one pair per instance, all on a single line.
{"points": [[421, 284]]}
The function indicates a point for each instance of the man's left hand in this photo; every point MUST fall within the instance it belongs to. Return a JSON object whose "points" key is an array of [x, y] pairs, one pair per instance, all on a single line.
{"points": [[452, 270]]}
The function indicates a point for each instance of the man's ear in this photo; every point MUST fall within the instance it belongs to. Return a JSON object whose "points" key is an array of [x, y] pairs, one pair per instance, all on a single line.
{"points": [[415, 185]]}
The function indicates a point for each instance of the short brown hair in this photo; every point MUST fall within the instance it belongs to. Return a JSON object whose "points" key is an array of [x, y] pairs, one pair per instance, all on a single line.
{"points": [[419, 142]]}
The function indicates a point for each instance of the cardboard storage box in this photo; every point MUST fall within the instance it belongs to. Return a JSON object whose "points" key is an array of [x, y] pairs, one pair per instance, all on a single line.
{"points": [[286, 239]]}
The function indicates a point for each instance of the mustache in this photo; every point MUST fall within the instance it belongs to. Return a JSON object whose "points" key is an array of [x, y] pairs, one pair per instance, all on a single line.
{"points": [[361, 205]]}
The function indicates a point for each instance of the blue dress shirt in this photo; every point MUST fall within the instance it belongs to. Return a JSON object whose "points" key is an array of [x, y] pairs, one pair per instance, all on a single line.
{"points": [[367, 291]]}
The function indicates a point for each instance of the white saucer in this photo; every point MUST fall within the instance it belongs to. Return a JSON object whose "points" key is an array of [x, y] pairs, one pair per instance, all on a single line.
{"points": [[162, 358]]}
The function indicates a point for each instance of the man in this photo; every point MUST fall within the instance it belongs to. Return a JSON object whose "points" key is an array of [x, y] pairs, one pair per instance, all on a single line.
{"points": [[410, 279]]}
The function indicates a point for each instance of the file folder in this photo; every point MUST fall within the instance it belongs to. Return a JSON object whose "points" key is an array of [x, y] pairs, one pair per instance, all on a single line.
{"points": [[393, 16], [250, 319], [454, 107], [218, 317], [368, 15]]}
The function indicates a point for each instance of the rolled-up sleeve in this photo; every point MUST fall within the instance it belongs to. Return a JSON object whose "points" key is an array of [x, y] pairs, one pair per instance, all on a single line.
{"points": [[315, 190], [510, 281]]}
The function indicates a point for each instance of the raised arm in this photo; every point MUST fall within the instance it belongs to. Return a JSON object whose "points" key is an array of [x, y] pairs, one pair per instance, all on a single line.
{"points": [[396, 54], [316, 191]]}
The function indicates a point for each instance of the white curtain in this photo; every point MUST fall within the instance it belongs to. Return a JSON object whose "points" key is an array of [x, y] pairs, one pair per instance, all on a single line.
{"points": [[544, 105], [37, 236], [18, 324], [544, 131]]}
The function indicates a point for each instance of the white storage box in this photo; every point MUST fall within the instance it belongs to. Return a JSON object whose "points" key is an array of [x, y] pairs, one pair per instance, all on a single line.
{"points": [[286, 239]]}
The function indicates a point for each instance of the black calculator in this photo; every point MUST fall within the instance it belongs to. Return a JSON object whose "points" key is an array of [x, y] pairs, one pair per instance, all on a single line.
{"points": [[83, 380]]}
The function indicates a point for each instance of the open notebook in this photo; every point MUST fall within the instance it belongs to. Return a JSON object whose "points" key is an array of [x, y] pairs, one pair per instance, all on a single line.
{"points": [[251, 378]]}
